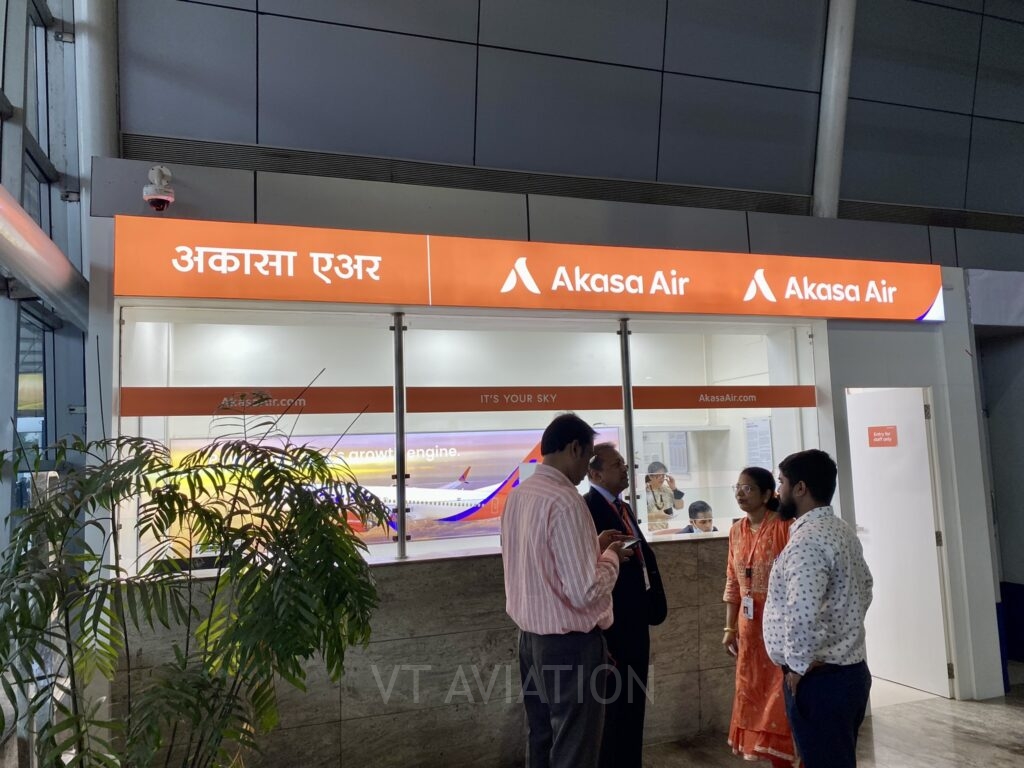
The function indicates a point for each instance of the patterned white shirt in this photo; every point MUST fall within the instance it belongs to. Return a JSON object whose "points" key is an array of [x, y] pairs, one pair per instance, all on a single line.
{"points": [[818, 594]]}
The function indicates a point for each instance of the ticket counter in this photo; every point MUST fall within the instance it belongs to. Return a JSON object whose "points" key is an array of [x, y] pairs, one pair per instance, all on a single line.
{"points": [[486, 340]]}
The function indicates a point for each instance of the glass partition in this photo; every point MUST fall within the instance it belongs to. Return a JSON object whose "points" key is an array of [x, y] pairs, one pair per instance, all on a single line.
{"points": [[710, 399], [328, 376], [480, 392]]}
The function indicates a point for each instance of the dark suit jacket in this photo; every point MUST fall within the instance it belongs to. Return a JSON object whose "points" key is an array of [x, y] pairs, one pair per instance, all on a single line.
{"points": [[634, 606]]}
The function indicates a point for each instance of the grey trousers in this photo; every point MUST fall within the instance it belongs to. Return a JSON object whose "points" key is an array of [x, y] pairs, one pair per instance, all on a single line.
{"points": [[564, 679]]}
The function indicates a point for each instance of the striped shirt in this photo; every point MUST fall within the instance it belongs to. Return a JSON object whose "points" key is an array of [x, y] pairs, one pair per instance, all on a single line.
{"points": [[556, 578]]}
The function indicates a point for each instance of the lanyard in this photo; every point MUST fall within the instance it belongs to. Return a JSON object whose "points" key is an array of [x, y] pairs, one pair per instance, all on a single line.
{"points": [[749, 570]]}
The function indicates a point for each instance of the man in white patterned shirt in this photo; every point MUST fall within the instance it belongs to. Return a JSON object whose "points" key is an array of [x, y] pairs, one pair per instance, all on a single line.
{"points": [[818, 594]]}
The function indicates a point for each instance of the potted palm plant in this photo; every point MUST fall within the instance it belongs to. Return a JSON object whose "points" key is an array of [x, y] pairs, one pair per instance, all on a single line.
{"points": [[287, 583]]}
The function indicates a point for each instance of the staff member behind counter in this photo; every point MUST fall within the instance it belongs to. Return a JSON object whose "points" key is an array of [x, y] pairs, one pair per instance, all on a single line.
{"points": [[663, 498]]}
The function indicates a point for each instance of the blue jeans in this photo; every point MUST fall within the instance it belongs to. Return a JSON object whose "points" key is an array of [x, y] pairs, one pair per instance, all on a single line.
{"points": [[826, 714]]}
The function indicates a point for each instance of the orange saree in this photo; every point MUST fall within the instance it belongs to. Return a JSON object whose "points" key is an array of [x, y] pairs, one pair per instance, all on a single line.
{"points": [[759, 729]]}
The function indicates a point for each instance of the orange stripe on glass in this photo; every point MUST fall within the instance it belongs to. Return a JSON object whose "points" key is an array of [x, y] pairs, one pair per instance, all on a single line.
{"points": [[783, 396], [212, 401], [535, 398]]}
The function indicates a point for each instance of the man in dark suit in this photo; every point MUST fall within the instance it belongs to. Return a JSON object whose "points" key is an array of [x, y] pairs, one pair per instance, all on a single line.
{"points": [[638, 601]]}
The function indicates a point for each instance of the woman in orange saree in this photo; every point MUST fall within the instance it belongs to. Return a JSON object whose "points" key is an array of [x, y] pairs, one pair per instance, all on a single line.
{"points": [[759, 729]]}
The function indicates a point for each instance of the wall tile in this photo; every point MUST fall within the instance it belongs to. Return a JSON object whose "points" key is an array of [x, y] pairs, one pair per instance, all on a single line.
{"points": [[768, 43], [904, 155], [541, 113], [1007, 9], [712, 556], [474, 667], [365, 92], [602, 222], [967, 5], [221, 194], [673, 710], [733, 135], [1001, 71], [457, 735], [980, 249], [717, 688], [712, 653], [677, 563], [601, 30], [996, 179], [240, 5], [187, 70], [451, 19], [840, 238], [311, 746], [408, 597], [943, 245], [354, 204], [674, 641], [915, 54]]}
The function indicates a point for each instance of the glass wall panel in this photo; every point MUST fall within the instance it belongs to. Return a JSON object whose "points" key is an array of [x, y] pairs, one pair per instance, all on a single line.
{"points": [[710, 399], [31, 407], [480, 393], [328, 375]]}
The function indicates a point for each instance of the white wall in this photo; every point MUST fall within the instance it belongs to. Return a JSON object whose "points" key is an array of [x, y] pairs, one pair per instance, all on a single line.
{"points": [[936, 356]]}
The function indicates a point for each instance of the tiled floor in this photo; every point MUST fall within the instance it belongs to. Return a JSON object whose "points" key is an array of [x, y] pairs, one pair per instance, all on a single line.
{"points": [[885, 694], [931, 732]]}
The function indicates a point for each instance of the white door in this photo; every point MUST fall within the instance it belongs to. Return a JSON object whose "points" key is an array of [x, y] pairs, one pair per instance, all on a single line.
{"points": [[894, 502]]}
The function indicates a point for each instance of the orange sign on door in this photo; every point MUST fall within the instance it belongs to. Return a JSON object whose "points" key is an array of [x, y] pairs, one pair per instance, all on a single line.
{"points": [[883, 437], [215, 260]]}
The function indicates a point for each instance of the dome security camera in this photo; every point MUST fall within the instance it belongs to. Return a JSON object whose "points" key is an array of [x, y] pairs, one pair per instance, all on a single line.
{"points": [[159, 193]]}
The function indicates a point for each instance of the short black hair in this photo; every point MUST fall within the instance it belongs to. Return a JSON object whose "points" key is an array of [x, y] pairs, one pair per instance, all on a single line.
{"points": [[563, 431], [816, 469], [698, 508], [597, 460]]}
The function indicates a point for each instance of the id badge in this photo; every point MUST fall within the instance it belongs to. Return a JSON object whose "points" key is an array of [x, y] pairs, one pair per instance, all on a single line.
{"points": [[747, 606]]}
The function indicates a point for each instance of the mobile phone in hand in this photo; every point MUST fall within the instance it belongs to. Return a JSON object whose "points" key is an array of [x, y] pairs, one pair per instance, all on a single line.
{"points": [[630, 543]]}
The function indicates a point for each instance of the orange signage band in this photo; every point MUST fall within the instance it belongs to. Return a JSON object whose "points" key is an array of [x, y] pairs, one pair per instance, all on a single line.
{"points": [[211, 401], [169, 258]]}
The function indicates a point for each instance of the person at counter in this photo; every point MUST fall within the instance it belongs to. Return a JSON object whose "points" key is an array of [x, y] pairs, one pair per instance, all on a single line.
{"points": [[701, 518], [559, 576], [638, 601], [663, 498]]}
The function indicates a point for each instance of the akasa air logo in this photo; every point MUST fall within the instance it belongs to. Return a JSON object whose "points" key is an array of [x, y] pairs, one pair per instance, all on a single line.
{"points": [[576, 280], [520, 273], [805, 289], [758, 284]]}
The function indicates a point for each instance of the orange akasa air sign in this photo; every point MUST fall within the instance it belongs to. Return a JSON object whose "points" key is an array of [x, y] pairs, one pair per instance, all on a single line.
{"points": [[168, 258]]}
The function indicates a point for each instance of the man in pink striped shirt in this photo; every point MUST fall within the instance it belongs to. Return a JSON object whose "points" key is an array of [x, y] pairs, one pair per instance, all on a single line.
{"points": [[559, 577]]}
